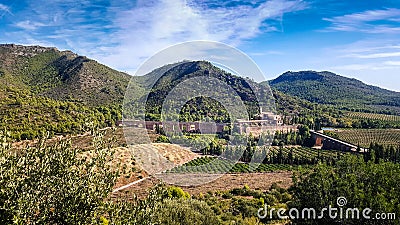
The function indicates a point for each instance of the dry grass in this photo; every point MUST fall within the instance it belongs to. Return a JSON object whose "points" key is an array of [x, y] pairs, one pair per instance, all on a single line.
{"points": [[256, 181], [159, 157]]}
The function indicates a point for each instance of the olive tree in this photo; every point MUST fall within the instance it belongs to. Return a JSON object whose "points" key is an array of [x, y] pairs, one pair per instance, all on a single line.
{"points": [[53, 184]]}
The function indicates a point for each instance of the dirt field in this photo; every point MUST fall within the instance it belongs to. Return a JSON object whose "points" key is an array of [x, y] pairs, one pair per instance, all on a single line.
{"points": [[257, 181], [138, 161], [131, 164]]}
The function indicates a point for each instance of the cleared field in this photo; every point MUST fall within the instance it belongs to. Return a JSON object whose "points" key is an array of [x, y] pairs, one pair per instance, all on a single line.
{"points": [[257, 181], [158, 157], [374, 116], [130, 165], [364, 137]]}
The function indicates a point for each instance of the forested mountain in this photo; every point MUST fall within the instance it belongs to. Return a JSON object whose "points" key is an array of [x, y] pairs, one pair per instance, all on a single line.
{"points": [[332, 89], [44, 89], [60, 75], [209, 80]]}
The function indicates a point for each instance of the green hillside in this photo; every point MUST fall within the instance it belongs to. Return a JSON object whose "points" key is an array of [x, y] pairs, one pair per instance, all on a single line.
{"points": [[198, 108], [44, 89], [60, 75], [332, 89]]}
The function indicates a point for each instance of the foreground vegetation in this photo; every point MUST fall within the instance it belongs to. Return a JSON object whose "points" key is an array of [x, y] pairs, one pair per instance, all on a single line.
{"points": [[371, 184], [58, 184], [52, 184]]}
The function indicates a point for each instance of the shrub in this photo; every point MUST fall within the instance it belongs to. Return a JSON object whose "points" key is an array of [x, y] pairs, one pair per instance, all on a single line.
{"points": [[364, 185]]}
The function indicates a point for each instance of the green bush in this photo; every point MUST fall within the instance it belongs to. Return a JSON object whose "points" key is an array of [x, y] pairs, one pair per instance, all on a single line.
{"points": [[177, 192], [185, 211], [364, 185], [163, 139]]}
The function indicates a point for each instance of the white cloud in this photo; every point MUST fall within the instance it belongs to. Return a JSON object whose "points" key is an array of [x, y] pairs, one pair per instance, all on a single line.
{"points": [[29, 25], [392, 63], [4, 8], [149, 28], [368, 49], [371, 21], [124, 34], [366, 16], [365, 66], [368, 58], [266, 53], [376, 55]]}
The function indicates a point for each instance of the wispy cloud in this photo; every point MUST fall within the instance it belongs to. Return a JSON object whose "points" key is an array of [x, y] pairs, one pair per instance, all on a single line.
{"points": [[365, 66], [368, 49], [392, 63], [375, 55], [123, 34], [29, 25], [266, 53], [375, 61], [80, 26], [148, 28], [4, 9], [371, 21]]}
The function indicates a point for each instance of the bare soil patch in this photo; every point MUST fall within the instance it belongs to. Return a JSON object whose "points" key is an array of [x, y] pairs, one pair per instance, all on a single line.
{"points": [[256, 181], [139, 160]]}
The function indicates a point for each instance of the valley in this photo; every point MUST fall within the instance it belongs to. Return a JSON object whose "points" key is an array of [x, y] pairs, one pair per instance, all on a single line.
{"points": [[68, 121]]}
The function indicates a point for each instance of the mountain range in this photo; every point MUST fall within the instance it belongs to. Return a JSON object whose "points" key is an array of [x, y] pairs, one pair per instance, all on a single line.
{"points": [[329, 88], [60, 75], [41, 88]]}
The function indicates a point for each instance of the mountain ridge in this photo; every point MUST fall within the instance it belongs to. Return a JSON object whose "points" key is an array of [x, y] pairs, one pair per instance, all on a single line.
{"points": [[325, 73], [42, 88], [329, 88], [61, 75]]}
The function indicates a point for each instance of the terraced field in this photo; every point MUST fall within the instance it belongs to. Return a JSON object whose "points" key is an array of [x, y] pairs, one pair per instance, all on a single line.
{"points": [[364, 137], [374, 116]]}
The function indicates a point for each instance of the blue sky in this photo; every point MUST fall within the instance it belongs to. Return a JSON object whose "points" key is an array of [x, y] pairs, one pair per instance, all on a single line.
{"points": [[359, 39]]}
